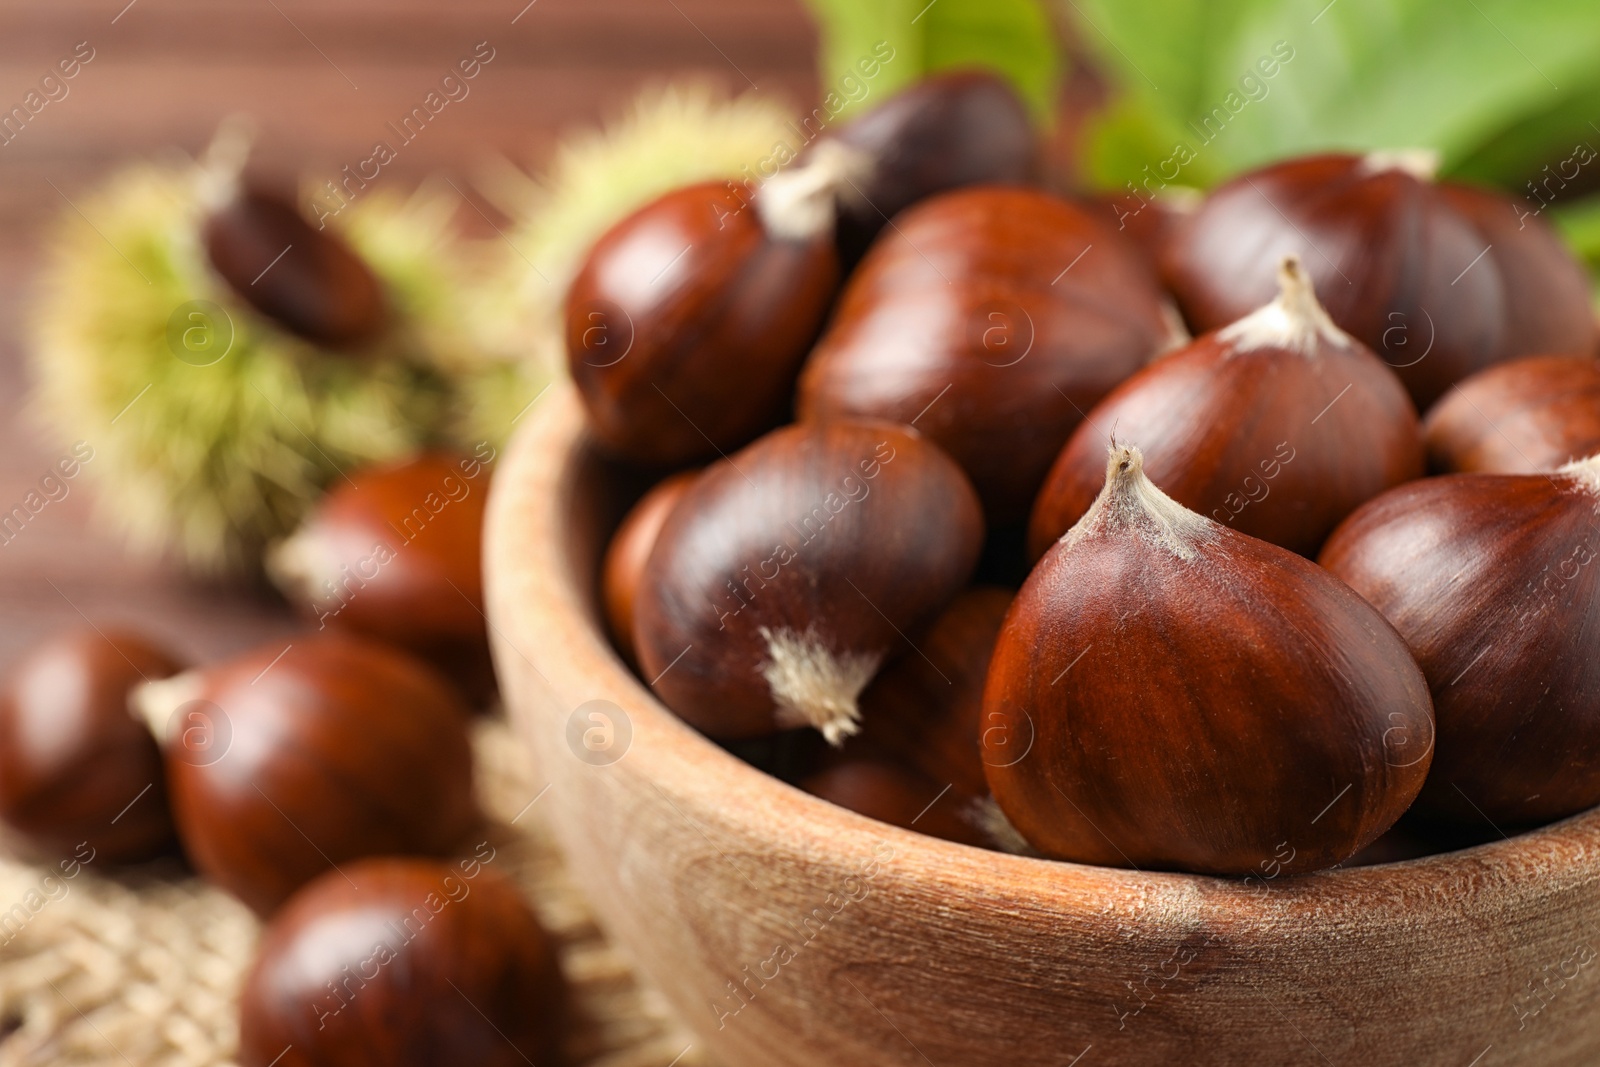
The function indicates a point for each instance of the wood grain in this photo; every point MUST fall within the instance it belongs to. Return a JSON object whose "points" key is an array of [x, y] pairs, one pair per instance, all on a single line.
{"points": [[848, 941]]}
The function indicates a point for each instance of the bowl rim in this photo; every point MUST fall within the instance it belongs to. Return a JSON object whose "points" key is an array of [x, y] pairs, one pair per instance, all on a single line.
{"points": [[525, 508]]}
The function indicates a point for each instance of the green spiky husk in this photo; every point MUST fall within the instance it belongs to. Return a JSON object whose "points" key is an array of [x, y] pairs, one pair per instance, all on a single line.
{"points": [[209, 464]]}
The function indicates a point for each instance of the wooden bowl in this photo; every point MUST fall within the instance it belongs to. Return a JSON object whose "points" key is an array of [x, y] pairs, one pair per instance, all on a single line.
{"points": [[791, 932]]}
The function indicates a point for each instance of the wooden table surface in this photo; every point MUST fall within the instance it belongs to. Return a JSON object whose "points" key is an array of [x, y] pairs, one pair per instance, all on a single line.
{"points": [[322, 78]]}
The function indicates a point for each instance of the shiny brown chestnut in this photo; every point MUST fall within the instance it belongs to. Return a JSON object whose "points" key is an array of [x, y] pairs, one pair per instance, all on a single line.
{"points": [[687, 323], [404, 963], [991, 318], [1168, 693], [900, 796], [626, 554], [955, 128], [787, 573], [1149, 219], [76, 767], [394, 552], [1277, 426], [1439, 279], [1528, 415], [927, 706], [308, 281], [1492, 581], [295, 758]]}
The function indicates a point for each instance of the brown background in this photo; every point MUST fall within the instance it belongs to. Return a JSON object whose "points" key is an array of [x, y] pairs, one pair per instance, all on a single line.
{"points": [[322, 78]]}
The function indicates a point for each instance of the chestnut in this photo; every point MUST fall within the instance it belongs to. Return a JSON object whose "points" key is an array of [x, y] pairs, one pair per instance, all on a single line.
{"points": [[308, 281], [1169, 693], [990, 318], [1278, 426], [1439, 279], [954, 128], [889, 792], [394, 552], [926, 707], [1492, 581], [1149, 220], [626, 554], [76, 767], [286, 761], [407, 962], [688, 320], [789, 572], [1528, 415]]}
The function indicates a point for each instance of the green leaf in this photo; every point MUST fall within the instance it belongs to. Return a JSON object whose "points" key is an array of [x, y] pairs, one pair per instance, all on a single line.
{"points": [[1498, 87], [1579, 223], [1014, 38]]}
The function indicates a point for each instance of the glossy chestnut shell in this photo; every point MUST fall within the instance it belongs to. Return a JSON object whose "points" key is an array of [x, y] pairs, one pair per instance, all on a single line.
{"points": [[286, 761], [308, 281], [927, 706], [76, 766], [404, 963], [955, 128], [394, 552], [1439, 279], [1528, 415], [1492, 581], [789, 572], [1277, 426], [1167, 693], [687, 323], [991, 318], [626, 554]]}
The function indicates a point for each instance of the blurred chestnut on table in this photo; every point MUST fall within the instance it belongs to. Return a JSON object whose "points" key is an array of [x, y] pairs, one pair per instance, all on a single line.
{"points": [[626, 554], [1492, 581], [927, 706], [991, 319], [395, 553], [1528, 415], [787, 573], [901, 796], [688, 320], [76, 766], [1167, 693], [1277, 426], [308, 281], [294, 758], [404, 963], [954, 128], [1438, 278]]}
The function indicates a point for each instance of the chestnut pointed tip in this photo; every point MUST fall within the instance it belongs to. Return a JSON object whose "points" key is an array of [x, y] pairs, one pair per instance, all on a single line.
{"points": [[1294, 320], [1130, 503], [815, 686], [1421, 163], [1586, 471], [154, 702], [799, 203]]}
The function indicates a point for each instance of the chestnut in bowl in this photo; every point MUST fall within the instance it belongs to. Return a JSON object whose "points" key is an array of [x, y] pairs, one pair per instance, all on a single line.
{"points": [[991, 319], [701, 865], [1528, 415], [1440, 279]]}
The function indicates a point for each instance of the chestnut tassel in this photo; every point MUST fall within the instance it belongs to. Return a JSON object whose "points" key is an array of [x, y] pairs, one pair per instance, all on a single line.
{"points": [[1438, 278], [788, 572], [1277, 426], [1197, 699]]}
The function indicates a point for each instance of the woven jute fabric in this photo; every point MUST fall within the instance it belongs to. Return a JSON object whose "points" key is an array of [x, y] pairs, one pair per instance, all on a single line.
{"points": [[144, 967]]}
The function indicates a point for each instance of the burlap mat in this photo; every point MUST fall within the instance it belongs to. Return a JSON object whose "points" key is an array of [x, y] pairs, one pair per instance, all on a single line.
{"points": [[143, 968]]}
